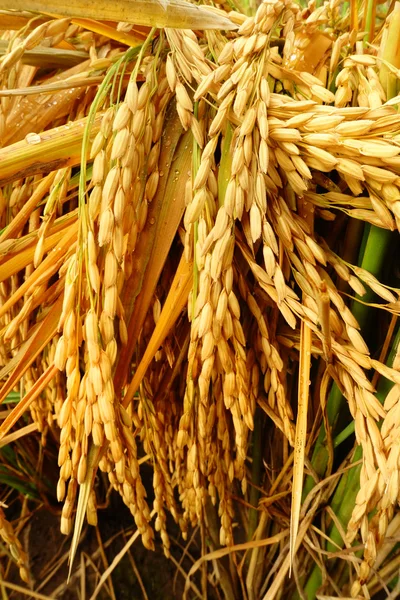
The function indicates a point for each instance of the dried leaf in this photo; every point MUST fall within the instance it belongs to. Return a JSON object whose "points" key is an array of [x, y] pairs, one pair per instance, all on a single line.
{"points": [[301, 434], [152, 13], [166, 211], [173, 306], [30, 351], [56, 148]]}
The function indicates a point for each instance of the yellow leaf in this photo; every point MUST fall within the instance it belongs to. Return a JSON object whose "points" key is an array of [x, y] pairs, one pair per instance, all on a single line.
{"points": [[173, 306], [56, 148], [153, 13], [24, 403], [301, 434], [55, 255], [32, 349], [14, 262], [165, 213], [110, 32]]}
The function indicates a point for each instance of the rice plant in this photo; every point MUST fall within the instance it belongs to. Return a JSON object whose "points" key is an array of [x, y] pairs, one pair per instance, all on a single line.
{"points": [[199, 208]]}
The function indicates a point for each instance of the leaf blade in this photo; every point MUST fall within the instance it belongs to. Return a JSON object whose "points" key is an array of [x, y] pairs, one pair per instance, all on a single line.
{"points": [[152, 13], [173, 306], [154, 244], [300, 435]]}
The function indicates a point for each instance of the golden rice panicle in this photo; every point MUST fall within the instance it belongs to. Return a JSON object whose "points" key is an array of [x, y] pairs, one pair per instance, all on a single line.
{"points": [[11, 64], [124, 476], [239, 399], [140, 164], [344, 88], [54, 202], [68, 507], [212, 326], [186, 62], [55, 30], [66, 358], [245, 235], [126, 174], [162, 494], [270, 365], [157, 442], [364, 408], [201, 353], [382, 495], [42, 408], [9, 537], [121, 208]]}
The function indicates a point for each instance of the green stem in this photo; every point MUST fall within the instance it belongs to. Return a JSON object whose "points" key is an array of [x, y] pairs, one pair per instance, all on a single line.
{"points": [[349, 485], [373, 261], [363, 244], [356, 231], [343, 435]]}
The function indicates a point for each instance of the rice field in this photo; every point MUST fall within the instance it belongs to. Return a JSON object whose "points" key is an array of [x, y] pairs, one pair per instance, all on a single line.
{"points": [[199, 216]]}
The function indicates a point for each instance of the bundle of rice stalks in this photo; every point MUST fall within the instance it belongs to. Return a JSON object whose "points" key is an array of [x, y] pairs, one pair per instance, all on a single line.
{"points": [[194, 230]]}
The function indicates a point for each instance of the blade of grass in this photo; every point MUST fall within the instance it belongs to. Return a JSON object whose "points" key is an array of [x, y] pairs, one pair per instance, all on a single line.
{"points": [[24, 591], [375, 252], [217, 554], [390, 574], [137, 573], [24, 213], [40, 112], [105, 563], [16, 20], [276, 585], [256, 469], [17, 261], [390, 53], [370, 20], [354, 15]]}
